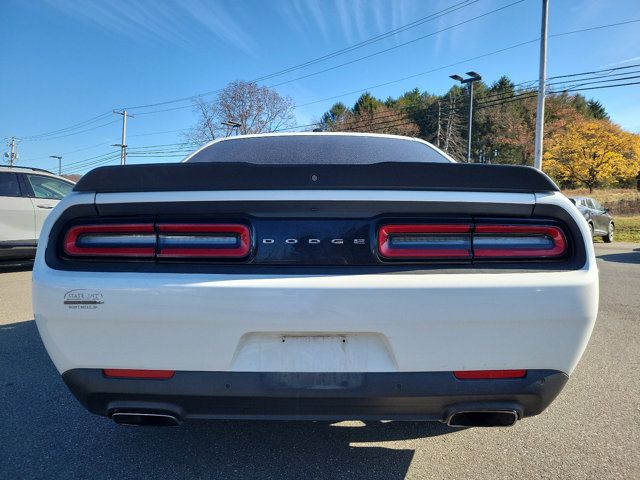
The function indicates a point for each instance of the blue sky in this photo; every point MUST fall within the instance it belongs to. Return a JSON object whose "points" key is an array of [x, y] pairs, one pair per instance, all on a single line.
{"points": [[67, 61]]}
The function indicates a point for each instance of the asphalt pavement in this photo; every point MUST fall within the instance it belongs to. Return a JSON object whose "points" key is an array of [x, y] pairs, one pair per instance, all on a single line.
{"points": [[591, 431]]}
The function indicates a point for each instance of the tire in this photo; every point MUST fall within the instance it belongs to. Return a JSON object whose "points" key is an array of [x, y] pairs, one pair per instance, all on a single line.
{"points": [[608, 238]]}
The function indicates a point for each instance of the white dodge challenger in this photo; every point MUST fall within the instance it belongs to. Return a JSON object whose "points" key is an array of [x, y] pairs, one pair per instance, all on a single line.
{"points": [[316, 276]]}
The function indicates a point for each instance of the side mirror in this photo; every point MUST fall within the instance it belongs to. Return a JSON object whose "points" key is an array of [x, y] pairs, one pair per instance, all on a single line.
{"points": [[605, 210]]}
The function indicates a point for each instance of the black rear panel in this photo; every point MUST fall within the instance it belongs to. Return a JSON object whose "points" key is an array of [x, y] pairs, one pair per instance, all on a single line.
{"points": [[296, 238]]}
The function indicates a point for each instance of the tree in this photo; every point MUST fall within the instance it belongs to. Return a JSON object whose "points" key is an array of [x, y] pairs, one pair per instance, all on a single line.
{"points": [[381, 120], [336, 114], [256, 109], [366, 103], [592, 152], [597, 110]]}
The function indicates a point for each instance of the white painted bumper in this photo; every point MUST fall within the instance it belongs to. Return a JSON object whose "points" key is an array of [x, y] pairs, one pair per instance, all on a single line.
{"points": [[392, 322]]}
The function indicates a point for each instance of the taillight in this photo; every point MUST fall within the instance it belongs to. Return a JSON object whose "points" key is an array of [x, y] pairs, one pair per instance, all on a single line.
{"points": [[481, 241], [425, 241], [203, 241], [511, 241], [115, 240], [165, 240], [489, 374]]}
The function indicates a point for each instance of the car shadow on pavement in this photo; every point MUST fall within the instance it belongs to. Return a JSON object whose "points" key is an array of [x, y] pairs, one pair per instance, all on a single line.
{"points": [[46, 433], [8, 267], [626, 257]]}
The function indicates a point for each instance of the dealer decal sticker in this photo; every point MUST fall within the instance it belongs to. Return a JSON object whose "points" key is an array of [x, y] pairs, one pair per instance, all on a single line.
{"points": [[83, 299]]}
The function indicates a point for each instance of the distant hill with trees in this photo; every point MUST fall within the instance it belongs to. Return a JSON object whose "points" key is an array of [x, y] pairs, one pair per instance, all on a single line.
{"points": [[583, 147]]}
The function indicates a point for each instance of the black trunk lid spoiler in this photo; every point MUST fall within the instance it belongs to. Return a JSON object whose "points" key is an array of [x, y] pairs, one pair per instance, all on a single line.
{"points": [[378, 176]]}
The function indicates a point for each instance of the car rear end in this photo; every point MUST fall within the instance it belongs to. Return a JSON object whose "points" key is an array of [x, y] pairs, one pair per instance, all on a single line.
{"points": [[402, 291]]}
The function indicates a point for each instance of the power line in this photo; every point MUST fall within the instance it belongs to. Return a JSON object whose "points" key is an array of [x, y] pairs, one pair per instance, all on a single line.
{"points": [[94, 119], [375, 126], [328, 56], [72, 134], [52, 135], [193, 97], [71, 127], [511, 47], [397, 46]]}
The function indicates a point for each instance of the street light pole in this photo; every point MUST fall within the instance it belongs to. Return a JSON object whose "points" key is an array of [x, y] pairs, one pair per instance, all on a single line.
{"points": [[473, 77], [59, 158], [470, 121]]}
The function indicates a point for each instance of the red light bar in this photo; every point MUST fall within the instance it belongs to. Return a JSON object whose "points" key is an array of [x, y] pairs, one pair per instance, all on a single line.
{"points": [[129, 373], [539, 241], [191, 240], [117, 240], [489, 374], [425, 241]]}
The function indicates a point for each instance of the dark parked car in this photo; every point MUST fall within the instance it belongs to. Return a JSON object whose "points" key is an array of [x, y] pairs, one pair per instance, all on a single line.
{"points": [[600, 221]]}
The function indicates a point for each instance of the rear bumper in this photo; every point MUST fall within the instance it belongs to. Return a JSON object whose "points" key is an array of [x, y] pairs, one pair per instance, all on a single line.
{"points": [[314, 396], [391, 323]]}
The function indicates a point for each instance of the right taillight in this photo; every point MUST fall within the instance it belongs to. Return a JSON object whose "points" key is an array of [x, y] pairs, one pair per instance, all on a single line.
{"points": [[518, 241], [483, 241]]}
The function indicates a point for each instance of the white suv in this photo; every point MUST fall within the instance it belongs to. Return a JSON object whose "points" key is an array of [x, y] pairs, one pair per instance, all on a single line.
{"points": [[27, 195]]}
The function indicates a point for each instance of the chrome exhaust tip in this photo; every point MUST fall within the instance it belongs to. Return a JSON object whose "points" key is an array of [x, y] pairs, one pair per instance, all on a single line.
{"points": [[483, 418], [141, 419]]}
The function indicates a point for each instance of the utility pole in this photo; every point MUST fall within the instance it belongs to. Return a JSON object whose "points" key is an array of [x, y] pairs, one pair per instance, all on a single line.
{"points": [[473, 77], [13, 156], [537, 162], [438, 137], [59, 158], [452, 106], [123, 144]]}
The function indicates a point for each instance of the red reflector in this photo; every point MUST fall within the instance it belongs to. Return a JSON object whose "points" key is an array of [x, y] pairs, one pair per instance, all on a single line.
{"points": [[489, 374], [204, 240], [131, 240], [127, 373], [425, 241], [502, 241]]}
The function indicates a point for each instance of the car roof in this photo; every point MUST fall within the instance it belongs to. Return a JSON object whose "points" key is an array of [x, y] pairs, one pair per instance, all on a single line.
{"points": [[22, 169], [39, 171]]}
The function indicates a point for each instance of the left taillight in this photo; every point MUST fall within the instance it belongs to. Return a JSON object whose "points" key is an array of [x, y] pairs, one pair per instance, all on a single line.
{"points": [[518, 241], [425, 241], [137, 240], [158, 240]]}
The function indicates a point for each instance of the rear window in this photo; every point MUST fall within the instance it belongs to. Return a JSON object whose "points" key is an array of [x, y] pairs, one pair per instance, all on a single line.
{"points": [[319, 149], [9, 185]]}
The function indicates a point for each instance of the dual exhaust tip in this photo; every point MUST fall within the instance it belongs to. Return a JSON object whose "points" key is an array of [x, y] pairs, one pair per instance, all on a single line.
{"points": [[143, 419], [472, 418], [483, 418]]}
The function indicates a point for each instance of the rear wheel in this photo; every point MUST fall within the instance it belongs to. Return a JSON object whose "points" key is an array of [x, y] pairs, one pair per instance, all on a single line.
{"points": [[608, 238]]}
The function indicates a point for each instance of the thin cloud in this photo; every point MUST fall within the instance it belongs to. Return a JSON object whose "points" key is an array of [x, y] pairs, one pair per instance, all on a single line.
{"points": [[621, 62], [161, 21]]}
